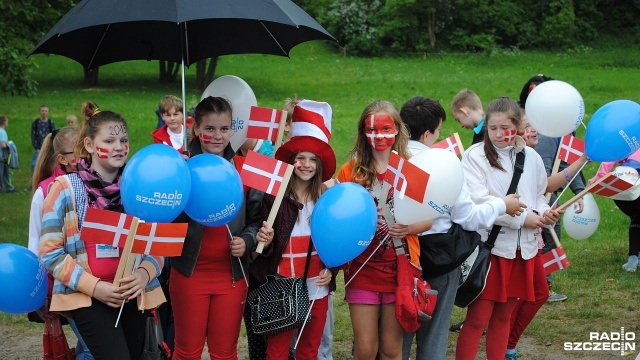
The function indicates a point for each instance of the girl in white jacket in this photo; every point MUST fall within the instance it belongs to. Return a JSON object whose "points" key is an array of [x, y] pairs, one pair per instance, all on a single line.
{"points": [[488, 169]]}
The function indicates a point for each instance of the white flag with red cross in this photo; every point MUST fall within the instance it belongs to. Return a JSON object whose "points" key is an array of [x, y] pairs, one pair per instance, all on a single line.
{"points": [[111, 228], [554, 260], [609, 185], [571, 148], [263, 173], [452, 143], [264, 123], [405, 177]]}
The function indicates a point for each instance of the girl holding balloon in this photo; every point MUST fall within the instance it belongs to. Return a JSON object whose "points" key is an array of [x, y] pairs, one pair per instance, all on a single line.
{"points": [[84, 272], [314, 162], [208, 283], [488, 169], [371, 277]]}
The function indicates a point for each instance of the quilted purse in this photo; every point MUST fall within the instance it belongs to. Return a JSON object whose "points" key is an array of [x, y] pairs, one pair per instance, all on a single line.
{"points": [[281, 303]]}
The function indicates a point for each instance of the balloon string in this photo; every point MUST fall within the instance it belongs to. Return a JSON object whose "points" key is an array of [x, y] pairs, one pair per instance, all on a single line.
{"points": [[364, 263], [308, 314], [244, 275], [567, 186]]}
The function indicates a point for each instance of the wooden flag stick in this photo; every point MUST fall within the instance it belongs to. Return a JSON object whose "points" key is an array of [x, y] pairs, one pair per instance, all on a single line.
{"points": [[277, 202], [457, 137], [283, 122], [554, 169], [580, 194], [126, 258]]}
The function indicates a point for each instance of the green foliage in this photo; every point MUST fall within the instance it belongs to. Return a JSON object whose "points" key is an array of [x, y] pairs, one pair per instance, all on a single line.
{"points": [[558, 28], [353, 24]]}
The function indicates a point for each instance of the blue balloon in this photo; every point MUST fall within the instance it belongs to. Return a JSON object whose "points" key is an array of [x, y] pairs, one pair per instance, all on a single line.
{"points": [[155, 184], [216, 190], [613, 132], [23, 278], [343, 223]]}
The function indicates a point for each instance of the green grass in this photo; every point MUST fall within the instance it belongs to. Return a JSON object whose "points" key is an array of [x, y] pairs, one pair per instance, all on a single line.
{"points": [[601, 296]]}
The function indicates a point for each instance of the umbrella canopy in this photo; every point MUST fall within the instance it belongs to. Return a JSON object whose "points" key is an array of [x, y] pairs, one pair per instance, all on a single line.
{"points": [[98, 32]]}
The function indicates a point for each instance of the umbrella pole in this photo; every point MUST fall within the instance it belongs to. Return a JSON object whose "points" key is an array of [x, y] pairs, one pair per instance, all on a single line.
{"points": [[184, 108]]}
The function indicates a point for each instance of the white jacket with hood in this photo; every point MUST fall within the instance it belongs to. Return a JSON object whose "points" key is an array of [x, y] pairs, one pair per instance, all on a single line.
{"points": [[486, 183]]}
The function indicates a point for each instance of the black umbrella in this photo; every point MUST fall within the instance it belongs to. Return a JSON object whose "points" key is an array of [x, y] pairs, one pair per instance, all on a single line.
{"points": [[100, 32]]}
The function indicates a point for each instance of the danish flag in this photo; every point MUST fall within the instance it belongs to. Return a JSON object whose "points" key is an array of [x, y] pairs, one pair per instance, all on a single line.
{"points": [[406, 178], [263, 173], [509, 135], [264, 123], [452, 143], [555, 260], [571, 148], [111, 228], [609, 185]]}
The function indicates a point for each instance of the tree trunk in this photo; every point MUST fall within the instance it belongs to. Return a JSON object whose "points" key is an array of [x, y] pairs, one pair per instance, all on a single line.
{"points": [[168, 72], [432, 27], [91, 77], [205, 73]]}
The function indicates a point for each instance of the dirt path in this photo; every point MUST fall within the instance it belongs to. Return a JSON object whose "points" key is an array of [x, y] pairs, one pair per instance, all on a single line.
{"points": [[25, 343]]}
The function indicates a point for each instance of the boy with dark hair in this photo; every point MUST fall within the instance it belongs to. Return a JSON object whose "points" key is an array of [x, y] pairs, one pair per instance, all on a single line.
{"points": [[40, 128]]}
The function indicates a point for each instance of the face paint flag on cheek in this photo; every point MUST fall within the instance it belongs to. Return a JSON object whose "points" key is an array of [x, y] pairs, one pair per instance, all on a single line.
{"points": [[526, 134], [509, 135], [205, 139], [102, 152], [297, 164], [126, 150]]}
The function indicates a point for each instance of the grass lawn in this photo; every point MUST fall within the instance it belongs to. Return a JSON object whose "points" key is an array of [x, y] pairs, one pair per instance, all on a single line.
{"points": [[602, 297]]}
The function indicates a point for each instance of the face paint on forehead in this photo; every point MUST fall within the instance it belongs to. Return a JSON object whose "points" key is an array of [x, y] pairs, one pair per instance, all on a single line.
{"points": [[509, 135], [102, 152], [205, 139], [117, 129]]}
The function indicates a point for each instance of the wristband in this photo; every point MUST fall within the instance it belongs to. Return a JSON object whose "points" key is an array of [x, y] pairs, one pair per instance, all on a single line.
{"points": [[566, 175], [148, 275]]}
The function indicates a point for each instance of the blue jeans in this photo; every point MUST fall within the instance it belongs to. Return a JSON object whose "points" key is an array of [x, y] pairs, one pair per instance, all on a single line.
{"points": [[82, 351], [34, 160], [433, 335]]}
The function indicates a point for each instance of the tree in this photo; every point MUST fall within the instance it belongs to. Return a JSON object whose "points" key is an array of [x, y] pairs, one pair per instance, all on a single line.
{"points": [[205, 72], [22, 25]]}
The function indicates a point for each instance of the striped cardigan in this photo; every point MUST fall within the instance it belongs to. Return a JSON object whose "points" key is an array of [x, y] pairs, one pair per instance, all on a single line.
{"points": [[65, 256]]}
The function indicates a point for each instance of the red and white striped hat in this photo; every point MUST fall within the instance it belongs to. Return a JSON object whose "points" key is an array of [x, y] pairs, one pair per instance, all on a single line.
{"points": [[311, 131]]}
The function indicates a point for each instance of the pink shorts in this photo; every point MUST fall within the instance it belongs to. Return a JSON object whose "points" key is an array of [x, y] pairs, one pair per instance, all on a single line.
{"points": [[368, 297]]}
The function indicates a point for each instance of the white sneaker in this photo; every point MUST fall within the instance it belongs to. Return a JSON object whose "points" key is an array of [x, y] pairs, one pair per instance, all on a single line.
{"points": [[632, 264]]}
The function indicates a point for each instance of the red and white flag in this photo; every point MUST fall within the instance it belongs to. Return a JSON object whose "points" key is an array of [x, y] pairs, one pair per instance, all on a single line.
{"points": [[452, 143], [112, 228], [262, 172], [406, 178], [159, 239], [554, 260], [609, 185], [509, 135], [263, 123], [105, 227], [571, 148]]}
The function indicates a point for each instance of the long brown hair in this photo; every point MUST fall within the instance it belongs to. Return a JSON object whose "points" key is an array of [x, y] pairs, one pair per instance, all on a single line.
{"points": [[90, 129], [511, 109], [316, 186], [364, 171], [53, 144]]}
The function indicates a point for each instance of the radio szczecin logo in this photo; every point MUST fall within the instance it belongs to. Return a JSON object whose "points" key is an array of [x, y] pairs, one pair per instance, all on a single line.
{"points": [[622, 341]]}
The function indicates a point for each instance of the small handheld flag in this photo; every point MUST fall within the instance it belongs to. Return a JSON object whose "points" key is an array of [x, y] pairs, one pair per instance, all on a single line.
{"points": [[264, 123], [554, 260], [571, 148], [406, 178], [452, 143], [262, 172]]}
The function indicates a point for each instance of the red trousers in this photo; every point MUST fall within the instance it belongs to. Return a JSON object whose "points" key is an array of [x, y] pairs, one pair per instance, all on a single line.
{"points": [[525, 311], [278, 344], [207, 305]]}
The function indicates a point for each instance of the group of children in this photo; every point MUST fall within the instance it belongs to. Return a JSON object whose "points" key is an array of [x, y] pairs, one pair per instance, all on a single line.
{"points": [[208, 283]]}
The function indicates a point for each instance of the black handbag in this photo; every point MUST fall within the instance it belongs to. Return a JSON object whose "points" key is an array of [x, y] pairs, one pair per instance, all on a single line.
{"points": [[475, 269], [281, 303], [441, 253], [152, 348]]}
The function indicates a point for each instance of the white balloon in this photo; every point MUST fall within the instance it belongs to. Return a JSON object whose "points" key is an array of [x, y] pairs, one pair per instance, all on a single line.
{"points": [[554, 108], [444, 186], [241, 97], [581, 226]]}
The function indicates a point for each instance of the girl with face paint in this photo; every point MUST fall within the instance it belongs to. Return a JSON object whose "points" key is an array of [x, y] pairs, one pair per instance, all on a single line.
{"points": [[488, 170], [371, 283], [207, 281], [84, 271]]}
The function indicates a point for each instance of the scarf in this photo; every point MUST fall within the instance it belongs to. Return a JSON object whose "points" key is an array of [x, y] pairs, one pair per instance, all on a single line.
{"points": [[101, 194]]}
